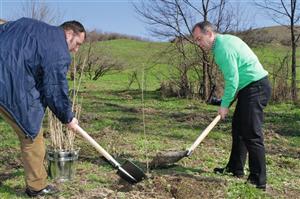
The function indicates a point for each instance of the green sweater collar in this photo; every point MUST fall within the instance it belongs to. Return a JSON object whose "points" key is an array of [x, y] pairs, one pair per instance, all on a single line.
{"points": [[217, 37]]}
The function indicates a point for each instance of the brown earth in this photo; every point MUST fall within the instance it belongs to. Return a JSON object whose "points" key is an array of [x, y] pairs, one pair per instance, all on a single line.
{"points": [[162, 187]]}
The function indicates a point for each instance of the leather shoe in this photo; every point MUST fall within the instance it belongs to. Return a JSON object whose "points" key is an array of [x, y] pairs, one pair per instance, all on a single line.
{"points": [[257, 185], [226, 170], [48, 190]]}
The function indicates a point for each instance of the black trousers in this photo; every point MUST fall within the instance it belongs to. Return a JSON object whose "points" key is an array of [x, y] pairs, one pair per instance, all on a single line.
{"points": [[247, 133]]}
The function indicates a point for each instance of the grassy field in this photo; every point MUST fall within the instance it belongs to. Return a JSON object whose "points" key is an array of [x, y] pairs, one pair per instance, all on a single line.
{"points": [[113, 115]]}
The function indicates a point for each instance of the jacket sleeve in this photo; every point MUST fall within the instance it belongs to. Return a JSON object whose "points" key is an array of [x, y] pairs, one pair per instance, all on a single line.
{"points": [[55, 86]]}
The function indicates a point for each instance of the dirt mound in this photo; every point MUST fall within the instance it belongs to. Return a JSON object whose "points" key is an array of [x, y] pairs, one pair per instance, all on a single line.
{"points": [[162, 187]]}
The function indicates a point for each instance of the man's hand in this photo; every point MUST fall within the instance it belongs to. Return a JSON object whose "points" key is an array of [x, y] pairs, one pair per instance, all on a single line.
{"points": [[223, 112], [72, 125]]}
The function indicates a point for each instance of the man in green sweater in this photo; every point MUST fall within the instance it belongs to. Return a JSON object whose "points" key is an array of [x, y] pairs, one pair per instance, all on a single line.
{"points": [[245, 79]]}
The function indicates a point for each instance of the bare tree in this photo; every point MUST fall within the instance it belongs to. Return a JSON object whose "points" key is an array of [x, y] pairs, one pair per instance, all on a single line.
{"points": [[40, 10], [98, 63], [286, 13], [169, 19]]}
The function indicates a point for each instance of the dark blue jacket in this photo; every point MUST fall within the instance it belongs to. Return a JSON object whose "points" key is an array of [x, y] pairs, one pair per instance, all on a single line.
{"points": [[34, 60]]}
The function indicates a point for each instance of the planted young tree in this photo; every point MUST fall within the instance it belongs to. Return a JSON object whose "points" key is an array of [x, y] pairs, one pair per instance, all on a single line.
{"points": [[286, 13]]}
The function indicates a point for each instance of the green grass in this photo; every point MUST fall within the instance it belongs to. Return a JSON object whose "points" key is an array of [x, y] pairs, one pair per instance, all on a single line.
{"points": [[113, 115]]}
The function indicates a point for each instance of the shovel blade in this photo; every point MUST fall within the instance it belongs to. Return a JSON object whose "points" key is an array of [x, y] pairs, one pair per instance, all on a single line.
{"points": [[131, 172], [164, 159]]}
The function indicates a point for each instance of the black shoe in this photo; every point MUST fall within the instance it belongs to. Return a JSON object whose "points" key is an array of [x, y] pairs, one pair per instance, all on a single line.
{"points": [[49, 190], [256, 184], [226, 170]]}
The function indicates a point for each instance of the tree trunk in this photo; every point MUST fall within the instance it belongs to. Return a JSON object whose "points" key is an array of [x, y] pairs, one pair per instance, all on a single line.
{"points": [[205, 80], [294, 74]]}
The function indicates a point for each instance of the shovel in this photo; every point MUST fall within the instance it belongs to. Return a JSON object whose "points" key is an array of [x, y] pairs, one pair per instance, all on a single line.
{"points": [[128, 171], [164, 159]]}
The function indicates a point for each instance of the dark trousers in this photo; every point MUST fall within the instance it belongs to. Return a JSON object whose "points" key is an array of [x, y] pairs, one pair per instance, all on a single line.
{"points": [[247, 133]]}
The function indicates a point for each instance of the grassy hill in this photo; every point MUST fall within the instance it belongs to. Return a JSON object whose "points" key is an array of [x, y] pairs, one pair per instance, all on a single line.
{"points": [[279, 33], [273, 34], [153, 56], [115, 116]]}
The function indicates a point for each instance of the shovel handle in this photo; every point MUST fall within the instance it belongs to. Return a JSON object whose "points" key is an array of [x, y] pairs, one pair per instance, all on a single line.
{"points": [[203, 134], [97, 146]]}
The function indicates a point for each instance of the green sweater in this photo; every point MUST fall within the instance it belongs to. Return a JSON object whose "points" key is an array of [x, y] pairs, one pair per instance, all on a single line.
{"points": [[239, 65]]}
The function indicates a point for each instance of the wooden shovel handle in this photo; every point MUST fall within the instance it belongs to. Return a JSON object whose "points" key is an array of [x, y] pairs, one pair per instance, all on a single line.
{"points": [[97, 146], [204, 134]]}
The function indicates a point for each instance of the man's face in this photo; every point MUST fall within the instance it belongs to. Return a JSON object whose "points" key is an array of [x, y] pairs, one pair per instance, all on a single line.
{"points": [[204, 40], [74, 40]]}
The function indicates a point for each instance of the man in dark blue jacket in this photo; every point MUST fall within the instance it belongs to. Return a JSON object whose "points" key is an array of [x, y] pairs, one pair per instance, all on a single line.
{"points": [[34, 60]]}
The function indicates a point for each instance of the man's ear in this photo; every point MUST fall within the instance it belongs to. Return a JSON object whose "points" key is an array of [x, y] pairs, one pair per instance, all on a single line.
{"points": [[69, 33], [210, 33]]}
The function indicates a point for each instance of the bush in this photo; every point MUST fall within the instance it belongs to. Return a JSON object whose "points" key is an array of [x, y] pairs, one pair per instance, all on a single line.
{"points": [[168, 89], [99, 36]]}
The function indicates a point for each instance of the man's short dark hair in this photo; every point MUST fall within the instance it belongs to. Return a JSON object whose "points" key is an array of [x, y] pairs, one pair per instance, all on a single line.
{"points": [[204, 26], [76, 26]]}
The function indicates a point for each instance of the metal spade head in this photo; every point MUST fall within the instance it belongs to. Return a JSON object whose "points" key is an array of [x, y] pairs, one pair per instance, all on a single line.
{"points": [[131, 172], [164, 159]]}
